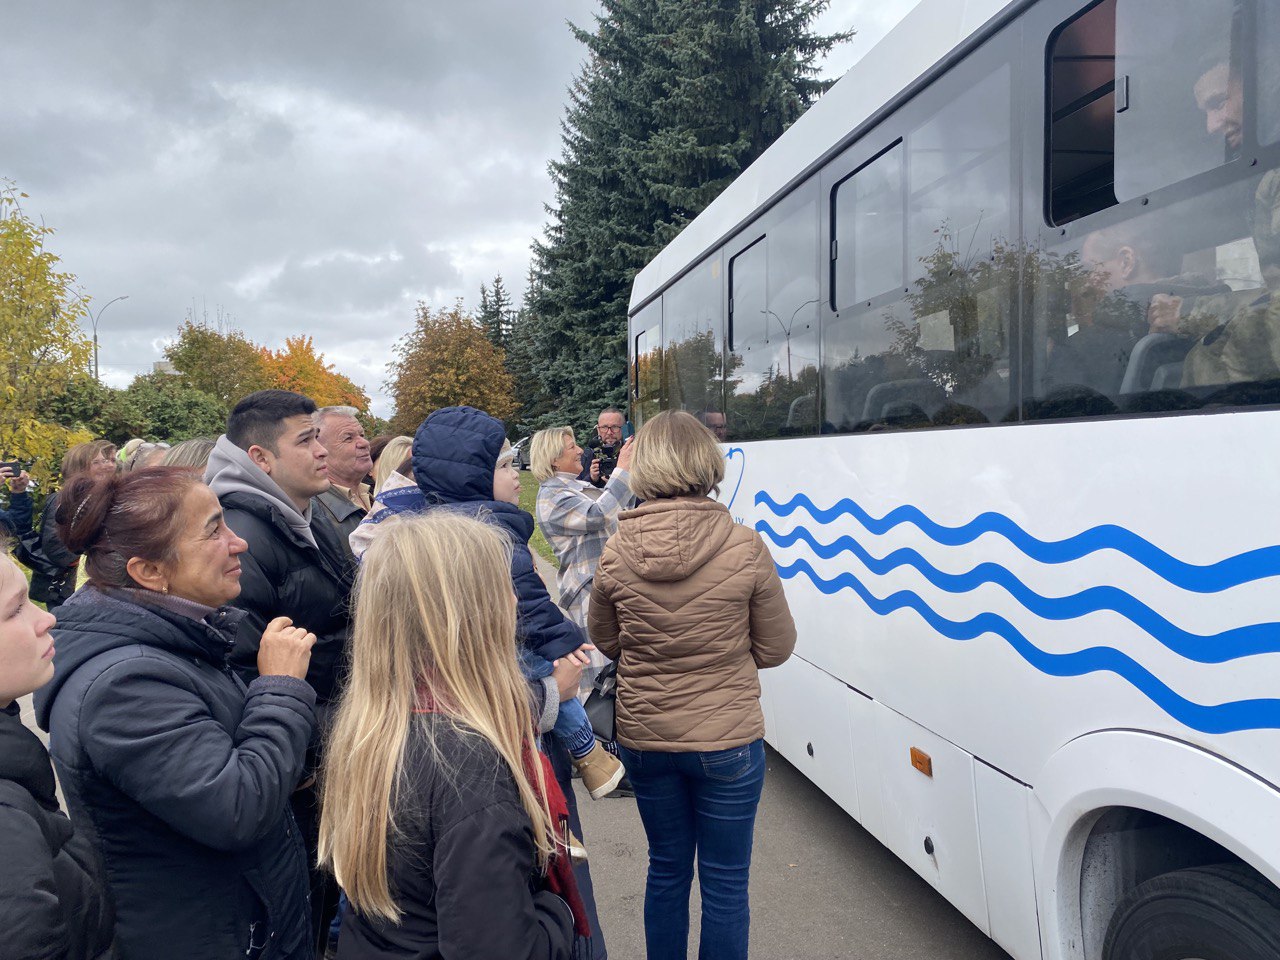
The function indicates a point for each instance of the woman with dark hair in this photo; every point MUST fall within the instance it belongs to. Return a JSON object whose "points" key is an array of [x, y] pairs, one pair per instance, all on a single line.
{"points": [[97, 458], [53, 902], [184, 772]]}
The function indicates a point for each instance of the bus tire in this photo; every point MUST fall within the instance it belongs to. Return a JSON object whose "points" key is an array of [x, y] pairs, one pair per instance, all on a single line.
{"points": [[1222, 912]]}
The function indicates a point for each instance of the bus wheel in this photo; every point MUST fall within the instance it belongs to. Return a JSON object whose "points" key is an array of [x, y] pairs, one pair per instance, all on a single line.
{"points": [[1223, 912]]}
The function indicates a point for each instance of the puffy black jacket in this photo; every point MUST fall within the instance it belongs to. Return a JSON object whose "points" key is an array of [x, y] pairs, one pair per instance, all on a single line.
{"points": [[455, 451], [461, 864], [53, 899], [284, 576], [183, 777]]}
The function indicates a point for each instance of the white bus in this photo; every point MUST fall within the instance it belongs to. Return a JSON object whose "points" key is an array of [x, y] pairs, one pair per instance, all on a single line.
{"points": [[991, 338]]}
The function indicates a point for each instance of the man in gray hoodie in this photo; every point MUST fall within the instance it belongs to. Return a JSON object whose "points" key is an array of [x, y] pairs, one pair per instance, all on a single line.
{"points": [[264, 470]]}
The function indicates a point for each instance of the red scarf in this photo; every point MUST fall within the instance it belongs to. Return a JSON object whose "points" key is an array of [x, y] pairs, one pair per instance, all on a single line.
{"points": [[560, 879]]}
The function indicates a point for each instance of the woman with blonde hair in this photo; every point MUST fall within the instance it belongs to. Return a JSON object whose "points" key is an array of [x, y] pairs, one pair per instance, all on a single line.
{"points": [[391, 458], [440, 819], [576, 517], [690, 604]]}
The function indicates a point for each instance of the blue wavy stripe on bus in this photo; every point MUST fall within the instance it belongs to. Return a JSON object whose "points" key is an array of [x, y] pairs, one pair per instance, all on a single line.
{"points": [[1229, 717], [1231, 644], [1208, 578]]}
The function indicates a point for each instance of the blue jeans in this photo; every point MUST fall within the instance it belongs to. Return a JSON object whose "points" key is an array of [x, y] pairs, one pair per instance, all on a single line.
{"points": [[703, 804]]}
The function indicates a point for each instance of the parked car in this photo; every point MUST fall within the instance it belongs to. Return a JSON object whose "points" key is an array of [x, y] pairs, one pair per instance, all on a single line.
{"points": [[521, 448]]}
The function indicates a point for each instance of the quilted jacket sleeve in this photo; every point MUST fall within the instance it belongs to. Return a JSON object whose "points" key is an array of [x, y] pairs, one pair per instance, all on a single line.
{"points": [[773, 631]]}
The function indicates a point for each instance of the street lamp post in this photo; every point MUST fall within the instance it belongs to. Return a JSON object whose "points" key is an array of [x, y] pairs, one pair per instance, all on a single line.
{"points": [[94, 320]]}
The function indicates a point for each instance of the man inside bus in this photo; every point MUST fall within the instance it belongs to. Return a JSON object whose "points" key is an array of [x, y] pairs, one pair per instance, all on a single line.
{"points": [[1237, 333], [1127, 267]]}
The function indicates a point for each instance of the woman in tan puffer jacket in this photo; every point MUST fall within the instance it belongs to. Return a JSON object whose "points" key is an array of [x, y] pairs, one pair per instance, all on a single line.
{"points": [[691, 606]]}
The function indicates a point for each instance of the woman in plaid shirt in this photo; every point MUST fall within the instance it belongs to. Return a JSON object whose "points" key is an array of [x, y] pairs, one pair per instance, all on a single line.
{"points": [[575, 517]]}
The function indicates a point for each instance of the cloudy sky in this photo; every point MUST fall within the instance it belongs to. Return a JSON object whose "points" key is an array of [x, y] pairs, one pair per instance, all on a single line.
{"points": [[296, 167]]}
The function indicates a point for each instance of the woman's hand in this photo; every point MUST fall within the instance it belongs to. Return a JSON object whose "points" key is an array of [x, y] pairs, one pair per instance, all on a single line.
{"points": [[567, 671], [624, 455], [285, 650]]}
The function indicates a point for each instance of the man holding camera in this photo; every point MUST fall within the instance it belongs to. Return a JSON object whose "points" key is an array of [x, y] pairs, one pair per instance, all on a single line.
{"points": [[601, 455]]}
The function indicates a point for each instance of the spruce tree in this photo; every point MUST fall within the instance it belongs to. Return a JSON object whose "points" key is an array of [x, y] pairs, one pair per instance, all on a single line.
{"points": [[677, 98], [496, 313]]}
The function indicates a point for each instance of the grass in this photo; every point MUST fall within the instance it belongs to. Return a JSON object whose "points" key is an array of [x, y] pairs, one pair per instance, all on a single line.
{"points": [[528, 496]]}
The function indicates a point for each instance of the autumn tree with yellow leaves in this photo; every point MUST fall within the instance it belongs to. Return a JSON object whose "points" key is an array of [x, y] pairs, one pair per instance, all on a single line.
{"points": [[446, 361], [298, 367], [42, 347]]}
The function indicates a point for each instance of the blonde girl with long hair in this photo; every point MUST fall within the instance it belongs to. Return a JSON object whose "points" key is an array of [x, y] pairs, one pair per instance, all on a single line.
{"points": [[440, 819]]}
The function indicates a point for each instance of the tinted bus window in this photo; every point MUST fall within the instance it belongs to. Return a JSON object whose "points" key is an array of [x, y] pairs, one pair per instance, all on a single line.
{"points": [[692, 340], [938, 353], [772, 378], [1175, 58], [646, 367], [869, 226], [1082, 114], [1168, 311]]}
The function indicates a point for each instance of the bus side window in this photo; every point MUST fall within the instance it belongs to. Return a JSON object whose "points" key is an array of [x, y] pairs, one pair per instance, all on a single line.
{"points": [[693, 340], [935, 350], [646, 363], [1179, 77], [772, 374], [1170, 310]]}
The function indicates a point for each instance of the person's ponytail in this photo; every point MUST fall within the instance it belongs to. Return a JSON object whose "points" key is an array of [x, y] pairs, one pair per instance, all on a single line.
{"points": [[83, 507]]}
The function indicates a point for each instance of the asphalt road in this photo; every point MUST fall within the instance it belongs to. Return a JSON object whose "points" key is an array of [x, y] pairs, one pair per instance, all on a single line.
{"points": [[821, 886]]}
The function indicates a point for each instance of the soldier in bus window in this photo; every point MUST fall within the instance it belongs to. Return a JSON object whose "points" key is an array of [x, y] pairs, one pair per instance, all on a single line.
{"points": [[1237, 333]]}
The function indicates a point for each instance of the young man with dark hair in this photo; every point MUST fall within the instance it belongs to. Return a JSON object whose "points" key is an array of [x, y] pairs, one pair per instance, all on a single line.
{"points": [[265, 470]]}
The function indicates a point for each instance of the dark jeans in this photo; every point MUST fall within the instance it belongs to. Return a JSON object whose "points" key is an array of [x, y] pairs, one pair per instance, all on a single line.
{"points": [[703, 804], [563, 770]]}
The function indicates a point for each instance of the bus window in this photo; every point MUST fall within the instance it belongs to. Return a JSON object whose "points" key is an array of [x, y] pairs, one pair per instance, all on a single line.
{"points": [[937, 353], [1181, 90], [692, 340], [773, 351], [869, 227], [646, 372], [1168, 311], [1082, 111], [1268, 47]]}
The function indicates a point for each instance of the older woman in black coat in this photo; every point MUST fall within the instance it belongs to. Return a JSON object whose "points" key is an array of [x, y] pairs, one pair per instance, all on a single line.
{"points": [[53, 901], [184, 773]]}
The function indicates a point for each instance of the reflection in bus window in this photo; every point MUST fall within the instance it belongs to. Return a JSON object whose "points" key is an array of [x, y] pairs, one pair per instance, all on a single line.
{"points": [[868, 225], [1164, 50], [773, 360], [1164, 311], [938, 354], [692, 354], [647, 366]]}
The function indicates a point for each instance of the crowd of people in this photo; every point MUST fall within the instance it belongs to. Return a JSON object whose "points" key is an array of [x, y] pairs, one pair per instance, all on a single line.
{"points": [[312, 696]]}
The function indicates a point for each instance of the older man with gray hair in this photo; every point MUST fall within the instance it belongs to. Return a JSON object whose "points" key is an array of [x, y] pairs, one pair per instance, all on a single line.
{"points": [[347, 500]]}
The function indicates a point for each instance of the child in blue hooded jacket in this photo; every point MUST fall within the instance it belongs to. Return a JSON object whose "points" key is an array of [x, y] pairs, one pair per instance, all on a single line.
{"points": [[462, 460]]}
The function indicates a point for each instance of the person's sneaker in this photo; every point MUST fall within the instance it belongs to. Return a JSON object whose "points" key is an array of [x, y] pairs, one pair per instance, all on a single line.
{"points": [[601, 772], [577, 852]]}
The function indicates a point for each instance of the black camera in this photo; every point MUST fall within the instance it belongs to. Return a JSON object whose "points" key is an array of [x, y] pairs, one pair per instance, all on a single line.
{"points": [[606, 454]]}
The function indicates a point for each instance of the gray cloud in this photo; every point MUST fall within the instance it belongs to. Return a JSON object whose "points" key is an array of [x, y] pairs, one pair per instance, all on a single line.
{"points": [[307, 167]]}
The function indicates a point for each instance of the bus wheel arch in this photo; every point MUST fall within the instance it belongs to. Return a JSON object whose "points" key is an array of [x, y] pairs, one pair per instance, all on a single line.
{"points": [[1117, 808]]}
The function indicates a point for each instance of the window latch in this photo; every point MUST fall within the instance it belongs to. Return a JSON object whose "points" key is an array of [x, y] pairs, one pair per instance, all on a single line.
{"points": [[1122, 93]]}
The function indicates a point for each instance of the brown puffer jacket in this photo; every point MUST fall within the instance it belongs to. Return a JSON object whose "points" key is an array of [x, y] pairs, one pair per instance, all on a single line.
{"points": [[693, 605]]}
